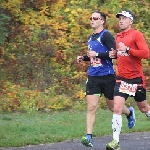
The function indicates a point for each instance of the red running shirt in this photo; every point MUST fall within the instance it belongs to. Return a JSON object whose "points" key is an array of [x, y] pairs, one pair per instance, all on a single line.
{"points": [[129, 65]]}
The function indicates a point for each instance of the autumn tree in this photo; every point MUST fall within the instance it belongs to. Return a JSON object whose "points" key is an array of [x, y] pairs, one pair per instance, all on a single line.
{"points": [[40, 40]]}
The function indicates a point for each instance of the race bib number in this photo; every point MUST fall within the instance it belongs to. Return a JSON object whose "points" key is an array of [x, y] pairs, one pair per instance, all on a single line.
{"points": [[96, 62], [128, 88]]}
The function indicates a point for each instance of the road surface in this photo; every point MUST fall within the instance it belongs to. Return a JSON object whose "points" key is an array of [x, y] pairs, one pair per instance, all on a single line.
{"points": [[132, 141]]}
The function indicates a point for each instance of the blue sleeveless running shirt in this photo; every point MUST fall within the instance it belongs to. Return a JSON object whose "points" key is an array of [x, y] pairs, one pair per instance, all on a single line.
{"points": [[99, 67]]}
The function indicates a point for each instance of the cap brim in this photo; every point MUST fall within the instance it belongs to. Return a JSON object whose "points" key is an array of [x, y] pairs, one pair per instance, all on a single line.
{"points": [[117, 15]]}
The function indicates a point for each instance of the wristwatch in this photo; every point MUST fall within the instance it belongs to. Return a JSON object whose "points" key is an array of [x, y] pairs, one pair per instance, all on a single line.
{"points": [[127, 50]]}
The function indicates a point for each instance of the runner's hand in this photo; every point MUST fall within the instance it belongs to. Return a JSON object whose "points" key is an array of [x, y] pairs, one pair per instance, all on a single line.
{"points": [[79, 59], [122, 47], [112, 53], [91, 53]]}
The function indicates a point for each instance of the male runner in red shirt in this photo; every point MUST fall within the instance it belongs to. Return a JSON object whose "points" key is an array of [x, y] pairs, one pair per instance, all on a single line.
{"points": [[131, 47]]}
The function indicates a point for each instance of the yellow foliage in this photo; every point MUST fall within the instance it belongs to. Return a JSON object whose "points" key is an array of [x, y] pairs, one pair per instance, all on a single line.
{"points": [[67, 10], [44, 10], [124, 0], [74, 13], [65, 27], [79, 10], [56, 6], [80, 95], [12, 5], [78, 75]]}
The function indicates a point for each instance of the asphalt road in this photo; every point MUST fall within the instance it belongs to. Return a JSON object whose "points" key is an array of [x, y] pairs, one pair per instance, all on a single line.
{"points": [[132, 141]]}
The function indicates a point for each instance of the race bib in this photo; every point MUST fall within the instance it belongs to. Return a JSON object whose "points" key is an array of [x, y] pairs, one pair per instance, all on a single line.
{"points": [[128, 88], [96, 62]]}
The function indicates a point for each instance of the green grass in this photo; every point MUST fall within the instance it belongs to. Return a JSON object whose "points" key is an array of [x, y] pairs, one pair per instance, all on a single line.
{"points": [[19, 129]]}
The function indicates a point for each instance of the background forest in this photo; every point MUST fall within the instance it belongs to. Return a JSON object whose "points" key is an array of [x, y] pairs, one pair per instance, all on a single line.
{"points": [[39, 43]]}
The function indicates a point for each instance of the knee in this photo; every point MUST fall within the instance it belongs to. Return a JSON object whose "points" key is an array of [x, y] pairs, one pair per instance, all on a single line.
{"points": [[117, 109], [143, 109], [91, 108], [111, 108]]}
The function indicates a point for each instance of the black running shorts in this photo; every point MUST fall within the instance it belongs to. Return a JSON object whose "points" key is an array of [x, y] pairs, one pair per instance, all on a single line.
{"points": [[140, 94], [101, 85]]}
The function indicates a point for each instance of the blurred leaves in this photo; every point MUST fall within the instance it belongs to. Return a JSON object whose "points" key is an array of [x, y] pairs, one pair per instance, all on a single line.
{"points": [[39, 43]]}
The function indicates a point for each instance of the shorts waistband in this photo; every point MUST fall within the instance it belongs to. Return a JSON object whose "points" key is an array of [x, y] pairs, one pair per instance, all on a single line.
{"points": [[137, 84]]}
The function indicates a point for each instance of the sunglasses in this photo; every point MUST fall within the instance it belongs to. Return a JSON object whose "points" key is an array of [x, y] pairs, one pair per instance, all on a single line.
{"points": [[95, 18]]}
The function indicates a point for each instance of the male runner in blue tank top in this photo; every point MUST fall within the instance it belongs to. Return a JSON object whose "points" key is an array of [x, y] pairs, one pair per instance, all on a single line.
{"points": [[101, 74]]}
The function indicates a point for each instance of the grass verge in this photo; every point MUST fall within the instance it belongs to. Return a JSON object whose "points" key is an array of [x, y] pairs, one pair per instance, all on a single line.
{"points": [[20, 129]]}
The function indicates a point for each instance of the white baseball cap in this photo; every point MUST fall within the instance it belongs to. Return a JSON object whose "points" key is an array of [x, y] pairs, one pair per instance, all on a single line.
{"points": [[126, 14]]}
